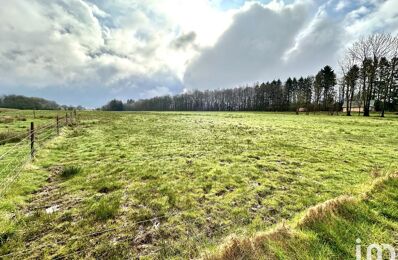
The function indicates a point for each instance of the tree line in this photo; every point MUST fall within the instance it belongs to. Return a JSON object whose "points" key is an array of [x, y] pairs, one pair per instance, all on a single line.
{"points": [[310, 93], [22, 102], [369, 72], [33, 103]]}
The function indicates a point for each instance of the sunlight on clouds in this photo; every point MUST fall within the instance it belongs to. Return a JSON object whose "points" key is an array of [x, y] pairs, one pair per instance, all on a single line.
{"points": [[138, 45], [383, 17], [74, 36]]}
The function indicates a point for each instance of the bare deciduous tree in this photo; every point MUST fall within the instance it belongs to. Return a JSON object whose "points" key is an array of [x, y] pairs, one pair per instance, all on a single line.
{"points": [[367, 53]]}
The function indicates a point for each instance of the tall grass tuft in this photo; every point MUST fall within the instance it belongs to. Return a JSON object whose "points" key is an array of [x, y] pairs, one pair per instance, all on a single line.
{"points": [[10, 137], [70, 171], [106, 208]]}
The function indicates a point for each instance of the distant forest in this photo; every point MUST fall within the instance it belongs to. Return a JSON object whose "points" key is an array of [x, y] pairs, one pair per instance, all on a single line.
{"points": [[369, 72], [22, 102], [34, 103]]}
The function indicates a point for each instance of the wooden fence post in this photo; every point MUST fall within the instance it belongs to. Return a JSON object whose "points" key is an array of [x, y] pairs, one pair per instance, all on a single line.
{"points": [[66, 118], [32, 140], [75, 114], [57, 125]]}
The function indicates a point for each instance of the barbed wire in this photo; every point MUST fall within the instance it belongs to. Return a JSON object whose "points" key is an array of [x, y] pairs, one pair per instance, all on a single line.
{"points": [[9, 181], [45, 135], [196, 236], [90, 234], [4, 141], [20, 143], [14, 159], [47, 130], [14, 177], [38, 129], [14, 146], [36, 132]]}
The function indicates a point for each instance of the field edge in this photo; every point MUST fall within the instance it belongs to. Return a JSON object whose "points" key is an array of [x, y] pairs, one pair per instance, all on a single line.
{"points": [[328, 229]]}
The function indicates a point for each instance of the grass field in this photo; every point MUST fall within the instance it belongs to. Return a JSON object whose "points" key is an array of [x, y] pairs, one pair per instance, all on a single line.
{"points": [[176, 185]]}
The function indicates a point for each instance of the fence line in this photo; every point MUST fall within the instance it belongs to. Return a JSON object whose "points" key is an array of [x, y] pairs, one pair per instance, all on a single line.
{"points": [[36, 138], [10, 162], [13, 147], [21, 141], [41, 134], [37, 131], [12, 137], [4, 141], [46, 134], [14, 177], [93, 234]]}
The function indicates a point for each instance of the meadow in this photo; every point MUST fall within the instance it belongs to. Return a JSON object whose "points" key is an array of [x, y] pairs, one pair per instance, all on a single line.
{"points": [[180, 184]]}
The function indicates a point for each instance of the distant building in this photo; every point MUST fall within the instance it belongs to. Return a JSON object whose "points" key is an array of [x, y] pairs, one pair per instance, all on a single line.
{"points": [[357, 106]]}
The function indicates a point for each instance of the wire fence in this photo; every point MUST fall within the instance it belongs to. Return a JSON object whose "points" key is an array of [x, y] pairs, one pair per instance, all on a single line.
{"points": [[12, 163], [15, 156]]}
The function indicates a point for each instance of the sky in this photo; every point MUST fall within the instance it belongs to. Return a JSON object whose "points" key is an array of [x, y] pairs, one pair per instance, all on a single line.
{"points": [[86, 52]]}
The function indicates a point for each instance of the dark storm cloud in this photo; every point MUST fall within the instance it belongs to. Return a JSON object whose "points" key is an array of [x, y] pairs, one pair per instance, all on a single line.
{"points": [[252, 47], [265, 43]]}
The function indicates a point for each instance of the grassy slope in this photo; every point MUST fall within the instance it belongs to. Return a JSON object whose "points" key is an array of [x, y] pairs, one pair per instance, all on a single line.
{"points": [[329, 230], [207, 174]]}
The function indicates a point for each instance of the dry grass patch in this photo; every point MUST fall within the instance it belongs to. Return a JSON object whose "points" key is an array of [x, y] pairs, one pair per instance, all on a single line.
{"points": [[326, 209]]}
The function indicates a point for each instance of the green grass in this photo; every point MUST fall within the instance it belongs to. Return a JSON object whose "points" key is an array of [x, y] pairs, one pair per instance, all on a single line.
{"points": [[328, 231], [105, 208], [175, 185], [19, 120]]}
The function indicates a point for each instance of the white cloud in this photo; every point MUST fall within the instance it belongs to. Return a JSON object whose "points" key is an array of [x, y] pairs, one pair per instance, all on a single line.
{"points": [[65, 42], [340, 5], [383, 17]]}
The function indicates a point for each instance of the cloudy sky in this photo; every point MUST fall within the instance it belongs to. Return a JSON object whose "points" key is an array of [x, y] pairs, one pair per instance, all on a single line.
{"points": [[89, 51]]}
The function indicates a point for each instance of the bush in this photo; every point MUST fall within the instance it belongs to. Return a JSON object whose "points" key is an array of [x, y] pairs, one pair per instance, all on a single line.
{"points": [[70, 171]]}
